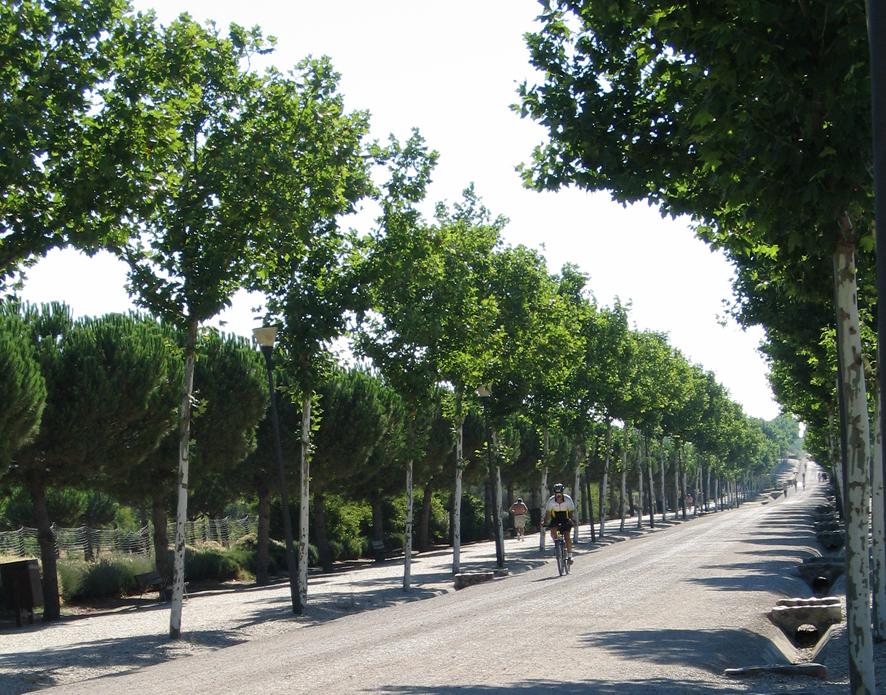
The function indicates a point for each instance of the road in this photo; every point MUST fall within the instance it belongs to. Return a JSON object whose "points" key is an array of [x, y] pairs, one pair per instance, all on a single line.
{"points": [[665, 612]]}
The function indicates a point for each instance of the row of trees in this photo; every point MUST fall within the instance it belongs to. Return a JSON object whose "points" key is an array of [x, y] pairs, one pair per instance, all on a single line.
{"points": [[206, 176], [755, 120]]}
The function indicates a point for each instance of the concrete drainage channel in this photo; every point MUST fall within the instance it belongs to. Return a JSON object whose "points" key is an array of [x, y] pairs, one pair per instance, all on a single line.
{"points": [[806, 621]]}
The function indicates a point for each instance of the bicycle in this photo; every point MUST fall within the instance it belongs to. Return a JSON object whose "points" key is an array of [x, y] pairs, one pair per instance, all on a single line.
{"points": [[563, 564]]}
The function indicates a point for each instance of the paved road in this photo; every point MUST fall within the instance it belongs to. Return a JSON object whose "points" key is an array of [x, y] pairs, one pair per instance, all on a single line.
{"points": [[663, 613]]}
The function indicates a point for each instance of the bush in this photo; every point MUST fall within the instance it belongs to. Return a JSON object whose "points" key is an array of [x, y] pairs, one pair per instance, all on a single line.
{"points": [[209, 562], [247, 546], [345, 521], [109, 577], [473, 522]]}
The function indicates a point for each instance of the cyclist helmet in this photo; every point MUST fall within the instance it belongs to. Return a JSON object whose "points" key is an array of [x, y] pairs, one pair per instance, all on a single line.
{"points": [[558, 489]]}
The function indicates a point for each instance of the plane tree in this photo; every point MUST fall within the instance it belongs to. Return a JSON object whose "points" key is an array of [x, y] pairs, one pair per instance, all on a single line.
{"points": [[537, 351], [411, 298], [465, 236], [310, 294], [56, 56], [222, 183], [757, 131]]}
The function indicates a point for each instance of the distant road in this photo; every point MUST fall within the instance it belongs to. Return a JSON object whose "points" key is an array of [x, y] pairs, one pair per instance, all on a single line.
{"points": [[663, 613]]}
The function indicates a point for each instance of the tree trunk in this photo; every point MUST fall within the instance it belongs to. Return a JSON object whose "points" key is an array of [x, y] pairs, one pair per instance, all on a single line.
{"points": [[543, 487], [424, 533], [576, 489], [878, 525], [590, 505], [624, 479], [459, 470], [181, 517], [651, 483], [677, 482], [662, 459], [603, 487], [407, 536], [858, 609], [162, 557], [263, 536], [707, 489], [323, 550], [640, 481], [304, 483], [496, 502], [682, 468], [46, 539], [378, 520]]}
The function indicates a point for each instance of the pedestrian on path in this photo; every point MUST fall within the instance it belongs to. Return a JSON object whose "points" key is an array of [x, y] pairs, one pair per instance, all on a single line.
{"points": [[519, 511]]}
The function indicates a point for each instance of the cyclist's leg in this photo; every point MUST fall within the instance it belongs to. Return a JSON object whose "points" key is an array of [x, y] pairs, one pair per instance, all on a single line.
{"points": [[567, 535]]}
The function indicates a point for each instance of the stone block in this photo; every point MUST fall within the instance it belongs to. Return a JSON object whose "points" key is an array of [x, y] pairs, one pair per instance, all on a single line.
{"points": [[466, 579]]}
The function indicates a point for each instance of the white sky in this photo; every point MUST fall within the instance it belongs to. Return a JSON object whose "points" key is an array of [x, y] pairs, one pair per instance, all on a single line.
{"points": [[450, 68]]}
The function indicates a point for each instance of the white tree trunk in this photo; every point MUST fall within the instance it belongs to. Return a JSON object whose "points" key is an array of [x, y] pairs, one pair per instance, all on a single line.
{"points": [[407, 540], [576, 494], [649, 467], [304, 480], [604, 486], [456, 496], [707, 490], [543, 487], [621, 492], [181, 517], [640, 480], [664, 500], [858, 607], [878, 527]]}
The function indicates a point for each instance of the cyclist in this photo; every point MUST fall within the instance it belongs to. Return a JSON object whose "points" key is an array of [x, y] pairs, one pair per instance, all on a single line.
{"points": [[558, 515]]}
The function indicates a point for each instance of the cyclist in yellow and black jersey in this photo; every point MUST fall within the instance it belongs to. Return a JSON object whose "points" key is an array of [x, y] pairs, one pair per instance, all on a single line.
{"points": [[558, 515]]}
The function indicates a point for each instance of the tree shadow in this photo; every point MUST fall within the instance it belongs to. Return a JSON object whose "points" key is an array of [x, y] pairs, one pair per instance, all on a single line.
{"points": [[652, 686], [708, 650], [41, 669]]}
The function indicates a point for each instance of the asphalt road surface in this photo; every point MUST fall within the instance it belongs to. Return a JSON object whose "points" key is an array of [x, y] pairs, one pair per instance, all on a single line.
{"points": [[666, 612]]}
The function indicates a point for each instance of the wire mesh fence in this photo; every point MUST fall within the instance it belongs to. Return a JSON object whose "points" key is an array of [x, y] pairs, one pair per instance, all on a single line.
{"points": [[90, 543]]}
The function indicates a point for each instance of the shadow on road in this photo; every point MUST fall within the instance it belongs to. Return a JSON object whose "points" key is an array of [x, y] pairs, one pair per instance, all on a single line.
{"points": [[126, 654], [653, 686], [709, 650]]}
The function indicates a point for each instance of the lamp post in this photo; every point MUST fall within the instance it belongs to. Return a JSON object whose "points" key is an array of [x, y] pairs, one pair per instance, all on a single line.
{"points": [[265, 337], [484, 393]]}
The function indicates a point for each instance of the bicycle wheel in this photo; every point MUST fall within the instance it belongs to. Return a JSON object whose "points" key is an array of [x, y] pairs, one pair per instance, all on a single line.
{"points": [[561, 556]]}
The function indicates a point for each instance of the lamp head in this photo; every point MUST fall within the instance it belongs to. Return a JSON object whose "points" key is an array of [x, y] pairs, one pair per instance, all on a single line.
{"points": [[265, 336]]}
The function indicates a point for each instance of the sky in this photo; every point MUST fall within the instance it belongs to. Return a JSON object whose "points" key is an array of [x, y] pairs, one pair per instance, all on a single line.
{"points": [[451, 68]]}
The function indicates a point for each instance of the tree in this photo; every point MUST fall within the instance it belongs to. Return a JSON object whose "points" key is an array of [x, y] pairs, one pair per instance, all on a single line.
{"points": [[55, 57], [312, 293], [400, 336], [216, 202], [102, 412], [680, 104]]}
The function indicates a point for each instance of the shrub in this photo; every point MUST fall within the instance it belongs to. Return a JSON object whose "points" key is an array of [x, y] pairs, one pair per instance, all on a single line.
{"points": [[473, 523], [209, 562], [108, 577], [345, 521]]}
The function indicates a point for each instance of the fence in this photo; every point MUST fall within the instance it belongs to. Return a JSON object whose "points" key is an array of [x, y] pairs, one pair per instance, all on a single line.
{"points": [[91, 542]]}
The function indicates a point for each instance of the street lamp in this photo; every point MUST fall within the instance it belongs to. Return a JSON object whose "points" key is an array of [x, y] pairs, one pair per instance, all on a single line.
{"points": [[265, 337], [484, 393]]}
